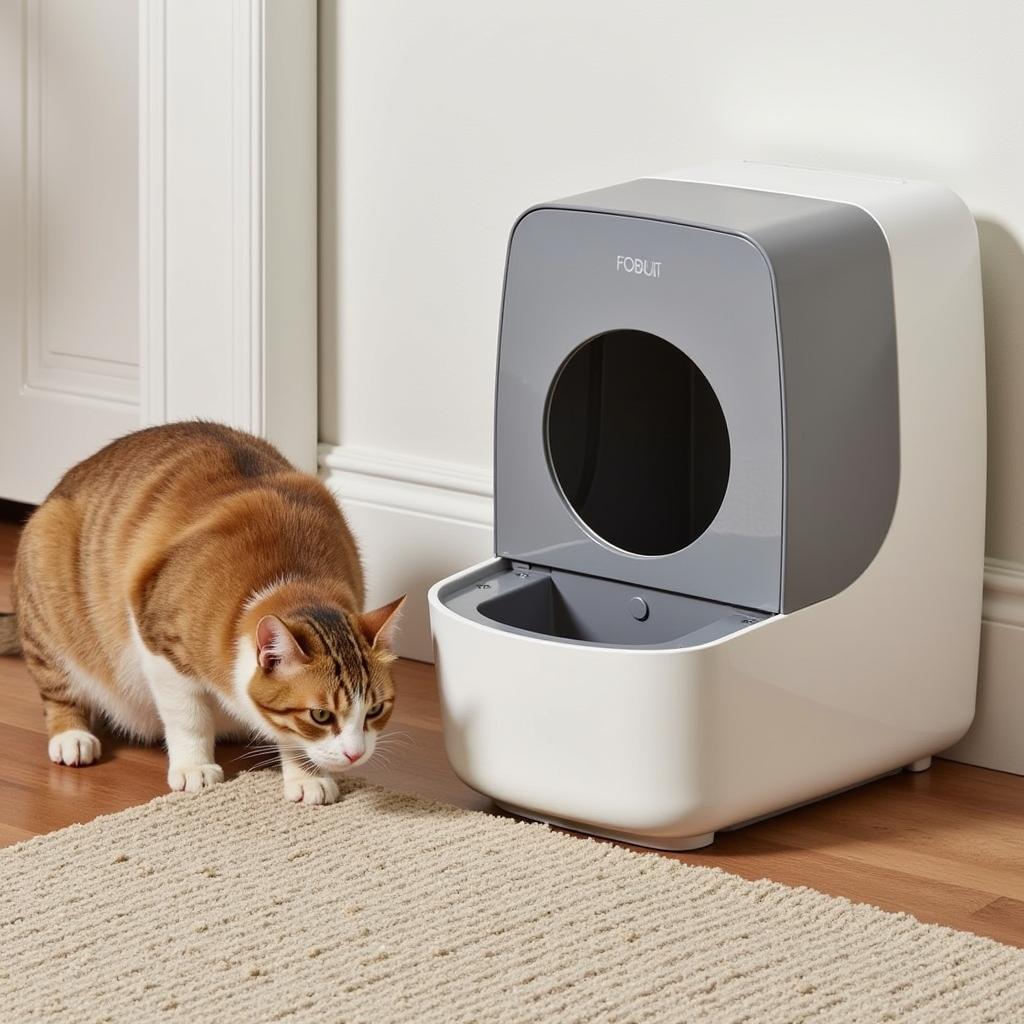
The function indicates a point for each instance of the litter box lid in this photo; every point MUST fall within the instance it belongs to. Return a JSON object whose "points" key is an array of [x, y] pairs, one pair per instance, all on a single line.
{"points": [[697, 392]]}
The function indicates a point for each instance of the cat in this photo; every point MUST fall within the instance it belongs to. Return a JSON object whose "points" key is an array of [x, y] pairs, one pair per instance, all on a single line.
{"points": [[189, 583]]}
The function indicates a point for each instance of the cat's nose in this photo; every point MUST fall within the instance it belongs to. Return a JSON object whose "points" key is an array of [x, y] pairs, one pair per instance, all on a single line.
{"points": [[352, 758]]}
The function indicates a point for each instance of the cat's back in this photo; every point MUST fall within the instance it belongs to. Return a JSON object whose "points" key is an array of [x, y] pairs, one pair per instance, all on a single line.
{"points": [[155, 488], [178, 453], [141, 493], [123, 508]]}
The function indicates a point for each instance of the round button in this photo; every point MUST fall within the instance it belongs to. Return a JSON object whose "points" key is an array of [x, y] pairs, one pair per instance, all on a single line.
{"points": [[638, 608]]}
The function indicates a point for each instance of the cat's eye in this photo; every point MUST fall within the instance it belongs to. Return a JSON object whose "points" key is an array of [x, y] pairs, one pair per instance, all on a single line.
{"points": [[375, 711], [320, 715]]}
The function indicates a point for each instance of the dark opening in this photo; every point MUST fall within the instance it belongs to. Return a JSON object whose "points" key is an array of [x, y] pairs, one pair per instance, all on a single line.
{"points": [[637, 442]]}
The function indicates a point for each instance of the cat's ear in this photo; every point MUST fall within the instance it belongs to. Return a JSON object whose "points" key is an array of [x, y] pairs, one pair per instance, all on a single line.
{"points": [[379, 625], [276, 647]]}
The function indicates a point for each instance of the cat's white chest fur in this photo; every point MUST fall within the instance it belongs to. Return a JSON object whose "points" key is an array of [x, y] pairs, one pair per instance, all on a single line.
{"points": [[158, 684]]}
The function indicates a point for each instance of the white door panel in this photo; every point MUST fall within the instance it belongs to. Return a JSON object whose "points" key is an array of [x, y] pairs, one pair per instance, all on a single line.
{"points": [[69, 267], [198, 300]]}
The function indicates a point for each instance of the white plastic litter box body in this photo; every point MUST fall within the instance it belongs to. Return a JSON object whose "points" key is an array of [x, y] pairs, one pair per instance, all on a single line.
{"points": [[811, 660]]}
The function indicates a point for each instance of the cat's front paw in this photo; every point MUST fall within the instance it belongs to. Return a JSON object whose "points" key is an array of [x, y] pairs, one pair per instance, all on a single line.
{"points": [[74, 747], [191, 778], [311, 789]]}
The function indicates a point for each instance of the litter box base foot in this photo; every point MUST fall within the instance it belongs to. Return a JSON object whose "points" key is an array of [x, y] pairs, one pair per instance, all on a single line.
{"points": [[677, 844], [922, 764]]}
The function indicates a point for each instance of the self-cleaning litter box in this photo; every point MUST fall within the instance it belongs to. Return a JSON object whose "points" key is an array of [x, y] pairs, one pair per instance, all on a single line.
{"points": [[739, 503]]}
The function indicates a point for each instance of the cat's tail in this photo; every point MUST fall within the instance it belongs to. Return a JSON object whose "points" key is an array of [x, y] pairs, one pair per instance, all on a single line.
{"points": [[10, 643]]}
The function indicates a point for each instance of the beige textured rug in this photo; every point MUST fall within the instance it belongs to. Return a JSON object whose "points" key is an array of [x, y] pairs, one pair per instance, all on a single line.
{"points": [[235, 906]]}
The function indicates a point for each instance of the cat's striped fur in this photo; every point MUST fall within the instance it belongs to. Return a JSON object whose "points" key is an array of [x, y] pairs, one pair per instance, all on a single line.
{"points": [[9, 642], [188, 582]]}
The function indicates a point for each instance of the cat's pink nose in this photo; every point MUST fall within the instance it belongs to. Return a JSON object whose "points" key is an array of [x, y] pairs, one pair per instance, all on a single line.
{"points": [[352, 758]]}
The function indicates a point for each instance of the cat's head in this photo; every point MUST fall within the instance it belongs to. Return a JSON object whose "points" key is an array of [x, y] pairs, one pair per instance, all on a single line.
{"points": [[322, 682]]}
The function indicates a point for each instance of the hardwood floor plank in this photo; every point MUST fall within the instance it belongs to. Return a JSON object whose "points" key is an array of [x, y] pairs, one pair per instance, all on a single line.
{"points": [[9, 835], [890, 888], [980, 854], [1002, 920], [946, 845]]}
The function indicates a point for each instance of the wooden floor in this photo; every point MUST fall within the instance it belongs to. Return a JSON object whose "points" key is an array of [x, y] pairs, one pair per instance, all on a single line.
{"points": [[946, 845]]}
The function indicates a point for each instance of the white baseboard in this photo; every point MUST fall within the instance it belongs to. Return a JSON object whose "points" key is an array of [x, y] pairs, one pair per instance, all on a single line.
{"points": [[419, 520], [1004, 593], [996, 739]]}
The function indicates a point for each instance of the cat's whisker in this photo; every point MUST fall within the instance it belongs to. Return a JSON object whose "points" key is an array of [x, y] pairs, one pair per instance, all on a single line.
{"points": [[395, 737], [394, 747], [398, 741], [256, 752], [267, 756]]}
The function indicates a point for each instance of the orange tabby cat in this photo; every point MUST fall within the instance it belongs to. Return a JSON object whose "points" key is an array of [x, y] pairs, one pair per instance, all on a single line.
{"points": [[188, 582]]}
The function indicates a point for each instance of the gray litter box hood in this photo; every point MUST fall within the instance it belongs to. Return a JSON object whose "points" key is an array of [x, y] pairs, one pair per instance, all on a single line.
{"points": [[697, 392]]}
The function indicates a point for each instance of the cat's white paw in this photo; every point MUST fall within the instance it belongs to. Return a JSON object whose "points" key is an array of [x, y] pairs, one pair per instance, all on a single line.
{"points": [[312, 789], [193, 777], [74, 747]]}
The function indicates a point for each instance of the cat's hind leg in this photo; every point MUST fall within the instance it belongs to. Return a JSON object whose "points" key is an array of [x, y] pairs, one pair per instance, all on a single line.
{"points": [[71, 740]]}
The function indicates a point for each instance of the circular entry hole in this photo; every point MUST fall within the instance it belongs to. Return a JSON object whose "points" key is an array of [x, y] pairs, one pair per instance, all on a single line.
{"points": [[637, 442]]}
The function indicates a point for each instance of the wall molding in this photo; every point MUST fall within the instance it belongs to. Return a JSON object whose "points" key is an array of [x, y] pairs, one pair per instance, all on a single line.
{"points": [[994, 739], [1004, 593], [227, 203], [405, 483]]}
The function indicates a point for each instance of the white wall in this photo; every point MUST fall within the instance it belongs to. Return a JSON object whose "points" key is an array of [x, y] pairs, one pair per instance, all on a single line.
{"points": [[441, 121]]}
